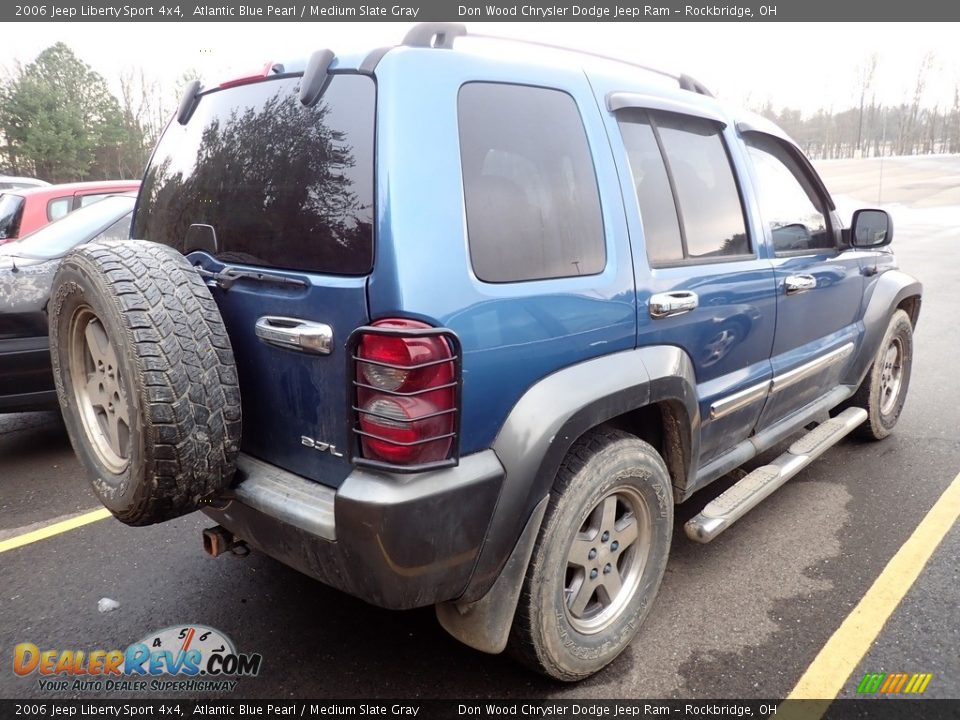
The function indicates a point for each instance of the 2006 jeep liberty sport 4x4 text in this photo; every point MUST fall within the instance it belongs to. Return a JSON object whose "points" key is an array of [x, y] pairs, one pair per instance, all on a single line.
{"points": [[488, 313]]}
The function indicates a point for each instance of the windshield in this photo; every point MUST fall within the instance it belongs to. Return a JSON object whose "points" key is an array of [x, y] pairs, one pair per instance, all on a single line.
{"points": [[281, 185], [60, 237], [11, 210]]}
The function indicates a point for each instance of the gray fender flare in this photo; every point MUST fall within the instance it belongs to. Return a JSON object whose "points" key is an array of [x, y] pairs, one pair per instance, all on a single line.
{"points": [[532, 444], [889, 290]]}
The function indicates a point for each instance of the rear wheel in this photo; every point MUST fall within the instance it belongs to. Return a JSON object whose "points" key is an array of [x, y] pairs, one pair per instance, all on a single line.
{"points": [[599, 559], [146, 379], [884, 390]]}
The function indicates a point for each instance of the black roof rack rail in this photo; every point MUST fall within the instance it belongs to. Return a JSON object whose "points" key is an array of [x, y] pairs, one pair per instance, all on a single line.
{"points": [[434, 35], [443, 35]]}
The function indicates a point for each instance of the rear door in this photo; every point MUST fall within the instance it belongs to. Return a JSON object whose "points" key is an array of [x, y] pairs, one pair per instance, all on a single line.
{"points": [[819, 286], [702, 281], [276, 200]]}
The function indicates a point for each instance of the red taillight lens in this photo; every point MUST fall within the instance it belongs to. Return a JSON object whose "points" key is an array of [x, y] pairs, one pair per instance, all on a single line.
{"points": [[406, 393]]}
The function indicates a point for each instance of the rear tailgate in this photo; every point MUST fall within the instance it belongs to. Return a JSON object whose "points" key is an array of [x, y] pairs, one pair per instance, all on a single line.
{"points": [[276, 200]]}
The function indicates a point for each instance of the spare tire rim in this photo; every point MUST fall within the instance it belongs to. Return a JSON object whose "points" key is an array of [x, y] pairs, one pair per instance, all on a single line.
{"points": [[891, 376], [606, 560], [100, 390]]}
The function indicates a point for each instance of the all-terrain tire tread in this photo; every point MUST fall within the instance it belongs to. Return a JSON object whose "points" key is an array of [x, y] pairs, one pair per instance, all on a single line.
{"points": [[582, 451], [186, 380]]}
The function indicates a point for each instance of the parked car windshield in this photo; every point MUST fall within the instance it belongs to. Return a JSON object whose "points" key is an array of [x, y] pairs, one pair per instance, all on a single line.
{"points": [[60, 237], [11, 210]]}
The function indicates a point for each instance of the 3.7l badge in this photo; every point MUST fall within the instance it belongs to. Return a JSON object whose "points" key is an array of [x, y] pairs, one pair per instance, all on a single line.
{"points": [[320, 445]]}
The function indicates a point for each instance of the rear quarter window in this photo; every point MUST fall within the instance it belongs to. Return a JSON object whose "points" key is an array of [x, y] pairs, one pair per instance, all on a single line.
{"points": [[530, 189], [282, 185], [59, 207]]}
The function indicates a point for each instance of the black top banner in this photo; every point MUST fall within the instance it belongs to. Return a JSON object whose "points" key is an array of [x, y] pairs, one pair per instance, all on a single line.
{"points": [[185, 709], [448, 11]]}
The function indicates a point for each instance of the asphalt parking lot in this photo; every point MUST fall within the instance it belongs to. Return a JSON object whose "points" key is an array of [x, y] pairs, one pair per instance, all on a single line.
{"points": [[742, 617]]}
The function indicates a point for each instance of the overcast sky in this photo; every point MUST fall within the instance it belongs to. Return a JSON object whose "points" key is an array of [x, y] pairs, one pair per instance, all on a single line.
{"points": [[805, 65]]}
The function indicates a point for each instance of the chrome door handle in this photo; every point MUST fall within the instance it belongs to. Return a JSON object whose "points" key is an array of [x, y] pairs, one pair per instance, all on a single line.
{"points": [[672, 303], [796, 284], [295, 334]]}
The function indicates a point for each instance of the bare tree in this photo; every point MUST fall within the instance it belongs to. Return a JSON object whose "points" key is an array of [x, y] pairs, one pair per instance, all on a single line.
{"points": [[865, 75], [910, 135]]}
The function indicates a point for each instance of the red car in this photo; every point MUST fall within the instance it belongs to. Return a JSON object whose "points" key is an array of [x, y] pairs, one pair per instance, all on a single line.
{"points": [[23, 210]]}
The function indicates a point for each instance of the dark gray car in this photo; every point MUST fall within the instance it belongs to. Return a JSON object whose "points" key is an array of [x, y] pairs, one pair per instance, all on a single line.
{"points": [[27, 267]]}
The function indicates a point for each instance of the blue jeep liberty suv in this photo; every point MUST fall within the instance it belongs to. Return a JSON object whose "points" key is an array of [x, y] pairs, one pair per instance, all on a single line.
{"points": [[486, 312]]}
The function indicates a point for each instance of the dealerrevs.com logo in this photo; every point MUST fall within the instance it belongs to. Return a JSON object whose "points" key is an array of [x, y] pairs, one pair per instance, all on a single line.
{"points": [[182, 658]]}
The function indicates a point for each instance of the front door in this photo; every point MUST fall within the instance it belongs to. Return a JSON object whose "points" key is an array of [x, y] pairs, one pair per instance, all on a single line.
{"points": [[819, 286]]}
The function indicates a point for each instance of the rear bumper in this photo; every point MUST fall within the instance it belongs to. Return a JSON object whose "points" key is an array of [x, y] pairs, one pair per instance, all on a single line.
{"points": [[397, 541]]}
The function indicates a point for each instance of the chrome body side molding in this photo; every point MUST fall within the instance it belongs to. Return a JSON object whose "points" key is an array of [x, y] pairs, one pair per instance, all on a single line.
{"points": [[739, 400], [792, 377]]}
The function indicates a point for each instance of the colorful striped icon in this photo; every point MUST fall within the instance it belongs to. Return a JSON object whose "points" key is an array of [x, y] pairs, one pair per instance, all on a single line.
{"points": [[894, 683]]}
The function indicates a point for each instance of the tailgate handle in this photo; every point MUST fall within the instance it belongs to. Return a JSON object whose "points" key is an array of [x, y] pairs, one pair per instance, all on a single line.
{"points": [[295, 334]]}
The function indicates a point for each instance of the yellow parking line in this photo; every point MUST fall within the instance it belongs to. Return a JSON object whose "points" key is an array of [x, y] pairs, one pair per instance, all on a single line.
{"points": [[55, 529], [831, 668]]}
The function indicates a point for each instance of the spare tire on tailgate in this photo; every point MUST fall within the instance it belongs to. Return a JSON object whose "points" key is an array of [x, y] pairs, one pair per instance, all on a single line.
{"points": [[146, 379]]}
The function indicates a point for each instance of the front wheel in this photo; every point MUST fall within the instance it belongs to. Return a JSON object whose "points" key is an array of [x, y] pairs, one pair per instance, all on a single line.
{"points": [[599, 559], [884, 390]]}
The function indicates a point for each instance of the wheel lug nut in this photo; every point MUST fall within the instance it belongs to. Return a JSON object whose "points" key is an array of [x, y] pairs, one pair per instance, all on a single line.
{"points": [[605, 536], [614, 545], [593, 574], [606, 569], [592, 554]]}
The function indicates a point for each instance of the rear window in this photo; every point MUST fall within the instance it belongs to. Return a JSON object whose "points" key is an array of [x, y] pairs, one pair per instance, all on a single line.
{"points": [[11, 212], [532, 202], [91, 199], [282, 185]]}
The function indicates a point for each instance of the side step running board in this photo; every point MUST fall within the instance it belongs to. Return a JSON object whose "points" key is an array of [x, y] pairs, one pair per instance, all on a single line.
{"points": [[735, 502]]}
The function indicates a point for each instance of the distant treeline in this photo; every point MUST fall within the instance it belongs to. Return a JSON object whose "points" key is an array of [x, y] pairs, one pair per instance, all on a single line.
{"points": [[60, 122], [878, 130], [870, 129]]}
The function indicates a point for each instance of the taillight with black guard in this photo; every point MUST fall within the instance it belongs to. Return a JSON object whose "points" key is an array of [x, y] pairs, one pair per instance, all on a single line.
{"points": [[406, 377]]}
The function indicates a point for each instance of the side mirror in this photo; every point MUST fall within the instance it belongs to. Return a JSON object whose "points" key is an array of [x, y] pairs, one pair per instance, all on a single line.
{"points": [[871, 229]]}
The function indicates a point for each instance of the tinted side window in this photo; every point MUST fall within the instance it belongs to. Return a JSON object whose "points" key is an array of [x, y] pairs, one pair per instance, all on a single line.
{"points": [[661, 227], [11, 213], [282, 185], [532, 201], [710, 208], [788, 202]]}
